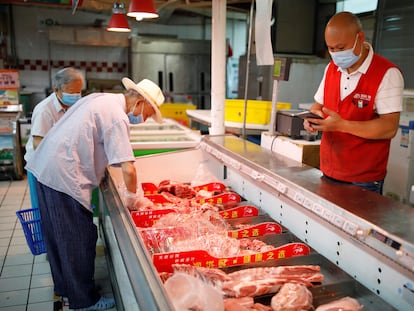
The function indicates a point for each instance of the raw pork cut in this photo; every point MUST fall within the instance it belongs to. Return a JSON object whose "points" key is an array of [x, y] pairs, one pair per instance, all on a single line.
{"points": [[238, 304], [292, 297], [244, 304], [189, 293], [266, 280], [180, 190], [343, 304], [213, 275]]}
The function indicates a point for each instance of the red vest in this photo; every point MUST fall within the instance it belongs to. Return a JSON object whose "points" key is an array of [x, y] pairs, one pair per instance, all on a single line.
{"points": [[344, 156]]}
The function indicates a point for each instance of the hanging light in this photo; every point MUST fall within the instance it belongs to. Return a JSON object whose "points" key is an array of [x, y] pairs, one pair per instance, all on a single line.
{"points": [[118, 21], [141, 9]]}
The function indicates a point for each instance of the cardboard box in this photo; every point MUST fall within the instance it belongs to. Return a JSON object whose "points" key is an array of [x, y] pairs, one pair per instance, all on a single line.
{"points": [[303, 151], [258, 111]]}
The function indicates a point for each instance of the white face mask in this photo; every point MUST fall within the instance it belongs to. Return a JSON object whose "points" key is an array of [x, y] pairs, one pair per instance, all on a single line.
{"points": [[347, 58]]}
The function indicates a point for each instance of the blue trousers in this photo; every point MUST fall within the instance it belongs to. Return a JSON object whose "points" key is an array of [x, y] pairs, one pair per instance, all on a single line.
{"points": [[32, 189], [70, 237], [375, 186]]}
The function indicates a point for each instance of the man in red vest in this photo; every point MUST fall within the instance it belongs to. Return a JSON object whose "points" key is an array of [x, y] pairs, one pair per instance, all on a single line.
{"points": [[360, 100]]}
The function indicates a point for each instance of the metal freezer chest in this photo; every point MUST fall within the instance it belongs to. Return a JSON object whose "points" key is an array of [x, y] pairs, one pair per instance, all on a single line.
{"points": [[341, 223]]}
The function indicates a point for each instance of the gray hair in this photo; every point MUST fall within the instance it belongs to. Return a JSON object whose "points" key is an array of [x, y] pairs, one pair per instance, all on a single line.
{"points": [[132, 93], [66, 76]]}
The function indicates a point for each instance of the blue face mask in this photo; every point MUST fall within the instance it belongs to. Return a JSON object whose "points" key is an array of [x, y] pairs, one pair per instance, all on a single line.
{"points": [[70, 99], [135, 119], [345, 59]]}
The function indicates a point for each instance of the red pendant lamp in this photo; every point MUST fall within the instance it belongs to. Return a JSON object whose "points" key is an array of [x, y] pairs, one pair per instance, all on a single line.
{"points": [[118, 21], [141, 9]]}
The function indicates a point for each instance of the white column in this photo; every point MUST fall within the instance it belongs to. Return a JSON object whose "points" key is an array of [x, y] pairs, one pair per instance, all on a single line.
{"points": [[218, 67]]}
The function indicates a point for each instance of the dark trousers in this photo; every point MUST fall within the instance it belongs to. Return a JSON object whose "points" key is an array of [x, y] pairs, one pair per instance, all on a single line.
{"points": [[70, 237], [375, 186]]}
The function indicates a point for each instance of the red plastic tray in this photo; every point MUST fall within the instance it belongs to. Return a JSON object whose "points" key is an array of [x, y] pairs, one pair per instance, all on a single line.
{"points": [[223, 198], [260, 229], [163, 262], [151, 188], [239, 212], [148, 218], [155, 235]]}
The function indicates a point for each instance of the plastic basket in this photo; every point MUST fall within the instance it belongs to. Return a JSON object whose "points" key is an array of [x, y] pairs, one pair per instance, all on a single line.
{"points": [[30, 220]]}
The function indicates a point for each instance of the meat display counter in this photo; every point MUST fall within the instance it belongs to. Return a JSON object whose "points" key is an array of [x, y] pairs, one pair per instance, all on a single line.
{"points": [[363, 242]]}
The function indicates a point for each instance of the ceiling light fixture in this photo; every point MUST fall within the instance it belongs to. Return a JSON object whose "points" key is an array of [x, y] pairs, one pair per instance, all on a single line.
{"points": [[118, 22], [141, 9]]}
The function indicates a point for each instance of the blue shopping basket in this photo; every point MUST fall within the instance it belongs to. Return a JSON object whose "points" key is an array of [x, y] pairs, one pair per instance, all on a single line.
{"points": [[30, 220]]}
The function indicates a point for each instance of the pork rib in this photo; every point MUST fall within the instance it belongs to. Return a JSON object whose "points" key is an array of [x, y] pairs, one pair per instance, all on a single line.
{"points": [[342, 304], [266, 280]]}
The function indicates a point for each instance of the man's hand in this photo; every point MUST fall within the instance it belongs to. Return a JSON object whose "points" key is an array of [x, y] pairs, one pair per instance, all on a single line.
{"points": [[309, 123], [331, 122], [136, 201]]}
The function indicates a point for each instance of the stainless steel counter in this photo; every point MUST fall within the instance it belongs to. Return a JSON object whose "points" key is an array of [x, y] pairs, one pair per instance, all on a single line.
{"points": [[366, 208]]}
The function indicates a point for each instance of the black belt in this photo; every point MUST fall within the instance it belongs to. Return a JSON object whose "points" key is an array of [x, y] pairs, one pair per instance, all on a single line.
{"points": [[336, 180]]}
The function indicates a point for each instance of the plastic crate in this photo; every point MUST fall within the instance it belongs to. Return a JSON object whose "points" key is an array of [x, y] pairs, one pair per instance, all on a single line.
{"points": [[177, 112], [30, 220], [258, 111]]}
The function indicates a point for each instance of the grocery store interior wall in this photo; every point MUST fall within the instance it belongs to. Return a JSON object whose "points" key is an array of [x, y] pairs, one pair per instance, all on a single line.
{"points": [[34, 50]]}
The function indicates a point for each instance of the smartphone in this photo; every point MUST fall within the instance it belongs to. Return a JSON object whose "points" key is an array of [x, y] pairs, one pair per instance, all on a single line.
{"points": [[308, 114]]}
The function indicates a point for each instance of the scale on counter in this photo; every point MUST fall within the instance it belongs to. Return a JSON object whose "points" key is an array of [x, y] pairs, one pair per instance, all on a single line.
{"points": [[288, 123]]}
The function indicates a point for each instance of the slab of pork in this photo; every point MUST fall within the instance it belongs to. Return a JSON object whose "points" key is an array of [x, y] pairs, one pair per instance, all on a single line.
{"points": [[187, 292], [267, 280], [343, 304], [244, 304], [292, 297]]}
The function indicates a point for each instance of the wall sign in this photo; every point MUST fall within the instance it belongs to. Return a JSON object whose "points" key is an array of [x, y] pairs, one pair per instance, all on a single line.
{"points": [[9, 79]]}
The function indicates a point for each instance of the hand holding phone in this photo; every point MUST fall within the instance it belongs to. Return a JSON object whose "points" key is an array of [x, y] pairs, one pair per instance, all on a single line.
{"points": [[308, 114]]}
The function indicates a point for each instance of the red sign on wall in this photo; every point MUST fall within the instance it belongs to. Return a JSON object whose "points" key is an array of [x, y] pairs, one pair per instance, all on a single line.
{"points": [[9, 79]]}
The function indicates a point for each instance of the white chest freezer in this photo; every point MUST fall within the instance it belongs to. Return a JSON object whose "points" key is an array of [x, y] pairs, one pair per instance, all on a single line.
{"points": [[364, 234], [151, 137]]}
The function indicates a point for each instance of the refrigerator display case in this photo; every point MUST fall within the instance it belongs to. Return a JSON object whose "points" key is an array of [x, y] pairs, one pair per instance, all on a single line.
{"points": [[363, 242], [180, 67], [151, 137]]}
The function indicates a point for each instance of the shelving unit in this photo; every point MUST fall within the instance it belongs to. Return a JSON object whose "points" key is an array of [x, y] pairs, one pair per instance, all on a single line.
{"points": [[11, 162]]}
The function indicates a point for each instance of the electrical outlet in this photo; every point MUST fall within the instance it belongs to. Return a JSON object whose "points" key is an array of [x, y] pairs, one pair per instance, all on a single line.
{"points": [[44, 22]]}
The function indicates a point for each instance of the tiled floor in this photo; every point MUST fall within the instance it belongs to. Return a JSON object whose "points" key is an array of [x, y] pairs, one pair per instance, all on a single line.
{"points": [[25, 280]]}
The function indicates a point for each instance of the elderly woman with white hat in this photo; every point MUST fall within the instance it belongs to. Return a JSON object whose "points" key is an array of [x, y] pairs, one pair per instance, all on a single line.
{"points": [[69, 163]]}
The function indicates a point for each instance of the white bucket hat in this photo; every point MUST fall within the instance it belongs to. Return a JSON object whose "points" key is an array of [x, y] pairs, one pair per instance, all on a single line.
{"points": [[150, 91]]}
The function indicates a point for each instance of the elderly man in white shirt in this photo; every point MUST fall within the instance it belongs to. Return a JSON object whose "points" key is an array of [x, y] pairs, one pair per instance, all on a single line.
{"points": [[69, 163], [67, 87]]}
